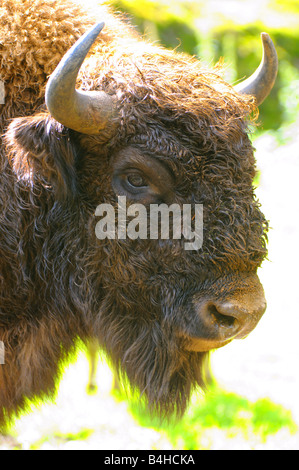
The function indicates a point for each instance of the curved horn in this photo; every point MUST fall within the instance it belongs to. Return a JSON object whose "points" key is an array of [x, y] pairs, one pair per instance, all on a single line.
{"points": [[88, 112], [261, 82]]}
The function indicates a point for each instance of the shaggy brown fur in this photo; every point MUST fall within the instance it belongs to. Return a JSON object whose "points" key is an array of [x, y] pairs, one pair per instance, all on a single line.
{"points": [[57, 281]]}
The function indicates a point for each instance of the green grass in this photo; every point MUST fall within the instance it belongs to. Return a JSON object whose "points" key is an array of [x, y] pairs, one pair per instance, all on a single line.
{"points": [[58, 438], [211, 421], [231, 413]]}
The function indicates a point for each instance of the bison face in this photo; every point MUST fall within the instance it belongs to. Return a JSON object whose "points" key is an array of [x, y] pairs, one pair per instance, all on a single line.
{"points": [[210, 309], [166, 306]]}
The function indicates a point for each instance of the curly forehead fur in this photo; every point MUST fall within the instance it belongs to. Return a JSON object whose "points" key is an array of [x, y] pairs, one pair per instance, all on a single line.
{"points": [[57, 281]]}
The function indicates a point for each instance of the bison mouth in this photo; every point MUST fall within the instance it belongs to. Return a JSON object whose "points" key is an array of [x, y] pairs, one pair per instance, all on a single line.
{"points": [[204, 345]]}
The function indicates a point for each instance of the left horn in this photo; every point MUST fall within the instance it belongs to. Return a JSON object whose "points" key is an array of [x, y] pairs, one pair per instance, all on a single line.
{"points": [[89, 112], [261, 82]]}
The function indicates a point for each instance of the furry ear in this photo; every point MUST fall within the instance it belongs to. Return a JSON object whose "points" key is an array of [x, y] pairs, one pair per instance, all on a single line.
{"points": [[39, 148]]}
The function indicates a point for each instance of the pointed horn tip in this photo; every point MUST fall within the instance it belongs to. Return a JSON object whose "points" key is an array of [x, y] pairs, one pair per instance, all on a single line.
{"points": [[90, 35], [98, 26], [260, 83], [265, 36], [267, 41], [272, 53]]}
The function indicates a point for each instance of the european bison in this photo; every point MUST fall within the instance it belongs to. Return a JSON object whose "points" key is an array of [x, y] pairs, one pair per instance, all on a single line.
{"points": [[150, 125]]}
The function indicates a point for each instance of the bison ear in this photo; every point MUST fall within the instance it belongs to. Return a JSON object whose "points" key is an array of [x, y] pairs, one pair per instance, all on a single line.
{"points": [[40, 149]]}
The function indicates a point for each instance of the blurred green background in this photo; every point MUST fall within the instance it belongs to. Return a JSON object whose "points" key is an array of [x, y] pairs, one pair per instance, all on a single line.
{"points": [[211, 29], [253, 402]]}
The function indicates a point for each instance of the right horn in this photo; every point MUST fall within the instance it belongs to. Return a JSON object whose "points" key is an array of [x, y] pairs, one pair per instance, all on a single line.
{"points": [[261, 82]]}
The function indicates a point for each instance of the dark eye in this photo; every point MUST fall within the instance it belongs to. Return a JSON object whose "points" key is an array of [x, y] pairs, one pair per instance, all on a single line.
{"points": [[136, 180]]}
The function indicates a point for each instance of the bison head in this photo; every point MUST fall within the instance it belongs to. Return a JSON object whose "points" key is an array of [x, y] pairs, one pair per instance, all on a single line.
{"points": [[157, 127]]}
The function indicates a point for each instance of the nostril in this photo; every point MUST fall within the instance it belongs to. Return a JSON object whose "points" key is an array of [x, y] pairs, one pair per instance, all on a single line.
{"points": [[226, 321], [223, 320]]}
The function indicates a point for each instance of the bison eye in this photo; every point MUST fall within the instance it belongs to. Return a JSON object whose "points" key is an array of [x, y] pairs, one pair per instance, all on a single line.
{"points": [[135, 180]]}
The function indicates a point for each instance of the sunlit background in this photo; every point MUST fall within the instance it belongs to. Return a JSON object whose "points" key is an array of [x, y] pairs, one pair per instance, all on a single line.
{"points": [[253, 403]]}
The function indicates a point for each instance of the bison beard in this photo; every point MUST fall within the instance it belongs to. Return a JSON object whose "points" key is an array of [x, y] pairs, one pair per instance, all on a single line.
{"points": [[148, 354], [151, 359], [147, 301]]}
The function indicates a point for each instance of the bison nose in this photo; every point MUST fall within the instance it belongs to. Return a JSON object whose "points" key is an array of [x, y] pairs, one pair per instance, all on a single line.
{"points": [[230, 319]]}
